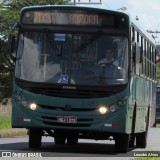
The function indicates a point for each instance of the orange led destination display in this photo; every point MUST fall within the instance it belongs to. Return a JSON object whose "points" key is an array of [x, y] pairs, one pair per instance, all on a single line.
{"points": [[42, 17], [65, 18], [84, 19], [68, 18]]}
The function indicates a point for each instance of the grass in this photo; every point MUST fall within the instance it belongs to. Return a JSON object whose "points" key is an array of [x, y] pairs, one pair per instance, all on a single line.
{"points": [[148, 158], [158, 125], [5, 122], [7, 131]]}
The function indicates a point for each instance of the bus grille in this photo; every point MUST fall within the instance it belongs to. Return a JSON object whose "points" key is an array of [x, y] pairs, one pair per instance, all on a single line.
{"points": [[65, 108], [70, 93]]}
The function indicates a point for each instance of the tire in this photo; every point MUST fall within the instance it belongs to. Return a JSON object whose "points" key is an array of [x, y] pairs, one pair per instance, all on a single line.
{"points": [[131, 141], [59, 137], [141, 140], [35, 138], [72, 140], [122, 143], [59, 140]]}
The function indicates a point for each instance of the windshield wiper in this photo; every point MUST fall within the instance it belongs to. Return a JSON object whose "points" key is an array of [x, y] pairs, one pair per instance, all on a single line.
{"points": [[55, 48], [88, 41]]}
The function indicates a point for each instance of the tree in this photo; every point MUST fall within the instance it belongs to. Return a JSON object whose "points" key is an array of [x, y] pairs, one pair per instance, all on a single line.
{"points": [[9, 14]]}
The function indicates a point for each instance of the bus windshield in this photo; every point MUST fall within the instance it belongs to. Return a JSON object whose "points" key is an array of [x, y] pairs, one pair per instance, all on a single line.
{"points": [[72, 58]]}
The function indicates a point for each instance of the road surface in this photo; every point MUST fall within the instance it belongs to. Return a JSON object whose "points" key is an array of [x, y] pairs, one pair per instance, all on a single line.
{"points": [[85, 148]]}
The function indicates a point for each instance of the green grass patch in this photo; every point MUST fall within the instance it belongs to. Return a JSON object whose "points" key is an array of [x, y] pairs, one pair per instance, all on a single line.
{"points": [[158, 125], [5, 122], [148, 158]]}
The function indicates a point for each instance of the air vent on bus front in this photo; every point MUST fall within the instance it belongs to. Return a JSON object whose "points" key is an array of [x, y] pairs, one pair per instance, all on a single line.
{"points": [[69, 92]]}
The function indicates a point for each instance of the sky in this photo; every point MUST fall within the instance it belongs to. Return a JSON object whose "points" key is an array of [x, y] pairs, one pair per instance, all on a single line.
{"points": [[148, 12]]}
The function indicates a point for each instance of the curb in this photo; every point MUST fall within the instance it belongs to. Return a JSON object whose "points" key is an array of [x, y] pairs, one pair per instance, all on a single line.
{"points": [[12, 132]]}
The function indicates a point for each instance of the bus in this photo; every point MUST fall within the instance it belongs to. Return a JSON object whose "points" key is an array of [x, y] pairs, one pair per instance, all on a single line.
{"points": [[157, 121], [59, 90]]}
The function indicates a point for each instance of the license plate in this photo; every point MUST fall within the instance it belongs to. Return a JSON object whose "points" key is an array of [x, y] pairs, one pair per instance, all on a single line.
{"points": [[67, 119]]}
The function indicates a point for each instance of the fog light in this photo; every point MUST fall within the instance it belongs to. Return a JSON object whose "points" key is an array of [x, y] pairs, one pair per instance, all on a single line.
{"points": [[25, 103], [33, 106], [120, 103], [18, 97], [112, 108], [103, 110]]}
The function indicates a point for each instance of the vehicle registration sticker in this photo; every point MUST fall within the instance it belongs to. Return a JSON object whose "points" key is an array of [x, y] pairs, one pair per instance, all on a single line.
{"points": [[67, 119]]}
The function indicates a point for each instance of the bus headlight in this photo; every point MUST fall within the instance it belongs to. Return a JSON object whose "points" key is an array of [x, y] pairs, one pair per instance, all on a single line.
{"points": [[103, 110], [33, 106]]}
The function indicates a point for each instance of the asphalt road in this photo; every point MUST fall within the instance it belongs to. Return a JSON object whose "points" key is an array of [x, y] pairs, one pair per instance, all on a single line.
{"points": [[85, 148]]}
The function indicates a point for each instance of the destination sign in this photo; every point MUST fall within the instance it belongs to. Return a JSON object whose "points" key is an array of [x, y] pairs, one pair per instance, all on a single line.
{"points": [[65, 18], [68, 17]]}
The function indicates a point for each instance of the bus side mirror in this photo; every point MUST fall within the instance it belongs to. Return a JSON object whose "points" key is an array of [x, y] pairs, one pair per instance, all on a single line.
{"points": [[11, 44], [15, 26]]}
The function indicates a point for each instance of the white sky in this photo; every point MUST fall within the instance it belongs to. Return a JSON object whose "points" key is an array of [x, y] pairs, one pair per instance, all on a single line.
{"points": [[148, 12]]}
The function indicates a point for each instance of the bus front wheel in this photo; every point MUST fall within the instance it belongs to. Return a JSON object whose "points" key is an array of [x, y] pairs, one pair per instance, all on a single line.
{"points": [[122, 143], [72, 140], [35, 138], [59, 137], [141, 140], [59, 140]]}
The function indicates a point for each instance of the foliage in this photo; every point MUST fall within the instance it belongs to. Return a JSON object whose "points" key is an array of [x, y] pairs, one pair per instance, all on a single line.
{"points": [[7, 18], [22, 3], [9, 14], [5, 74]]}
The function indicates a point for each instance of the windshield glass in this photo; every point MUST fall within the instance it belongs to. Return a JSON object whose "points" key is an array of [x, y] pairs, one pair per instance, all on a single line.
{"points": [[71, 58]]}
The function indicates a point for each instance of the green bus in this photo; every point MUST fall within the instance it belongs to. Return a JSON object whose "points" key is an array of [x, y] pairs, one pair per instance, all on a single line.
{"points": [[61, 90]]}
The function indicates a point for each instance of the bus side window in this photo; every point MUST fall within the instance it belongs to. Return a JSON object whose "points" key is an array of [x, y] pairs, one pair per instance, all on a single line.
{"points": [[137, 58], [134, 52]]}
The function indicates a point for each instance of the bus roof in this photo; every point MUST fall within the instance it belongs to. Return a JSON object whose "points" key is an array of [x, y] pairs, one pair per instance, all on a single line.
{"points": [[71, 6]]}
